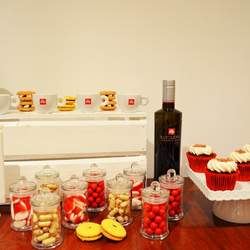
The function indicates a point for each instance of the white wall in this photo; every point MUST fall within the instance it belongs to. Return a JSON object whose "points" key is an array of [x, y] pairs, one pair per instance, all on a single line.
{"points": [[131, 46]]}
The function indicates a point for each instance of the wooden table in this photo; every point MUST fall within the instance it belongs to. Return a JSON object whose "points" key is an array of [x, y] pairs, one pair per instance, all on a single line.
{"points": [[198, 230]]}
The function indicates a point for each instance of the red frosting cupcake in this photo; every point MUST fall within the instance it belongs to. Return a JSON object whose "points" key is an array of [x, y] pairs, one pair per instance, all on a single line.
{"points": [[221, 174], [198, 157]]}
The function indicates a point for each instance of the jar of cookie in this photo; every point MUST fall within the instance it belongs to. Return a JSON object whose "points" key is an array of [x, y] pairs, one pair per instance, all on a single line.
{"points": [[155, 212], [138, 176], [96, 188], [119, 199], [48, 179], [174, 184], [74, 202], [20, 194], [46, 220]]}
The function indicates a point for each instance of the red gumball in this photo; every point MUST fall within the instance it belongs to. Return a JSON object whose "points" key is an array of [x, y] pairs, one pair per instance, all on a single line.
{"points": [[155, 209], [93, 186], [158, 231], [90, 199], [175, 192], [153, 225], [162, 211], [171, 213], [101, 184], [151, 215], [146, 207], [149, 231], [98, 189], [94, 204], [89, 191], [175, 205], [158, 219], [162, 225], [171, 198], [146, 221], [95, 195]]}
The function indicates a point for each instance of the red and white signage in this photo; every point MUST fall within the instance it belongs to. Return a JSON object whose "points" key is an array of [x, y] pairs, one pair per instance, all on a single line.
{"points": [[87, 101], [131, 101], [171, 131], [43, 101]]}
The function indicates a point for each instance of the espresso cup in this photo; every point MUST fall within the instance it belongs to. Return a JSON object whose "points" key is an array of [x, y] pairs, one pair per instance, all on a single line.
{"points": [[130, 103], [88, 102], [6, 102], [46, 103]]}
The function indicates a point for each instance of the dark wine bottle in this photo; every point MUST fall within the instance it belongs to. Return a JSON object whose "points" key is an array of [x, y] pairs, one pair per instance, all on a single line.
{"points": [[167, 133]]}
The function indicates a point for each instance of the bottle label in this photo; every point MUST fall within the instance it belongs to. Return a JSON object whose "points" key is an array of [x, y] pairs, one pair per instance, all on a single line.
{"points": [[170, 136], [171, 131]]}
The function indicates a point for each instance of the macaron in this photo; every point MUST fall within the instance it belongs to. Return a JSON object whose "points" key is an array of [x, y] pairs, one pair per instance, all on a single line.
{"points": [[113, 230], [88, 231]]}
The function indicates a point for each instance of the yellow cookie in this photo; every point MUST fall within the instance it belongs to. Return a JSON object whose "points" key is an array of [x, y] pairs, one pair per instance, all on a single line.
{"points": [[107, 92], [89, 238], [23, 103], [21, 98], [26, 109], [70, 98], [113, 229], [88, 230], [65, 108], [25, 92]]}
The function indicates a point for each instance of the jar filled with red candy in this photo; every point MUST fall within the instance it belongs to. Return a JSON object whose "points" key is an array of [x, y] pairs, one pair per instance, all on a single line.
{"points": [[21, 212], [155, 212], [119, 199], [173, 183], [138, 176], [96, 197], [48, 179], [46, 220]]}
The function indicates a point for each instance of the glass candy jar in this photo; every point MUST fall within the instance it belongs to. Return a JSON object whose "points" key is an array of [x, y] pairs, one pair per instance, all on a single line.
{"points": [[173, 183], [46, 220], [137, 176], [48, 179], [20, 193], [74, 202], [95, 178], [155, 212], [119, 199]]}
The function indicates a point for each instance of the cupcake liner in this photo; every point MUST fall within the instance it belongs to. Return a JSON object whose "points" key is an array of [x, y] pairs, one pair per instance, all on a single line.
{"points": [[221, 181], [244, 169], [198, 163]]}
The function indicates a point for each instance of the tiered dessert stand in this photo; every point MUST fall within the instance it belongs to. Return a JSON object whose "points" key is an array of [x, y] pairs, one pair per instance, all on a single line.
{"points": [[232, 206]]}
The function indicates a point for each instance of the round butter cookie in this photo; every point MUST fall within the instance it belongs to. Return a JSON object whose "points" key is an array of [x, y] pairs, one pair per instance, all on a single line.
{"points": [[113, 230]]}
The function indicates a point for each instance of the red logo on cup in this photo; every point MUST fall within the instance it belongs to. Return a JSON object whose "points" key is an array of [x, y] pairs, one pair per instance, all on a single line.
{"points": [[43, 101], [131, 101], [87, 101], [171, 131]]}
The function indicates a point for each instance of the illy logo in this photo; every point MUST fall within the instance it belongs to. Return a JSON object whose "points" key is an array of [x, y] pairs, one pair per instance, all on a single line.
{"points": [[131, 101], [87, 101], [43, 101], [171, 131]]}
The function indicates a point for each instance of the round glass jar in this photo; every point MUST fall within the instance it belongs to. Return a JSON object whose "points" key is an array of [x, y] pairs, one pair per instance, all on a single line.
{"points": [[155, 212], [173, 183], [138, 177], [74, 206], [20, 194], [46, 220], [96, 188], [119, 199], [48, 179]]}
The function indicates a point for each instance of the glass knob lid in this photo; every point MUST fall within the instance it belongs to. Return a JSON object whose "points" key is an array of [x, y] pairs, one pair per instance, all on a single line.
{"points": [[22, 185]]}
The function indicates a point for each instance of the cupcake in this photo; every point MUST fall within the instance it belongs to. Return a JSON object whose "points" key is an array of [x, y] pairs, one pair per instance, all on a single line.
{"points": [[221, 174], [242, 158], [198, 157]]}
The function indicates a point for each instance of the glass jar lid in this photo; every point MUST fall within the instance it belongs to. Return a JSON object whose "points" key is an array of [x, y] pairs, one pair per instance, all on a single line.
{"points": [[22, 186], [47, 173], [120, 182], [134, 170], [74, 184], [94, 172], [45, 199], [154, 193], [171, 178]]}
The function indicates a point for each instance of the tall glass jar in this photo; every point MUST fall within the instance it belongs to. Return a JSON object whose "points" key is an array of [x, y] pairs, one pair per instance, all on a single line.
{"points": [[74, 202], [173, 183], [96, 188], [119, 199], [138, 177], [46, 220], [155, 212], [48, 179], [20, 193]]}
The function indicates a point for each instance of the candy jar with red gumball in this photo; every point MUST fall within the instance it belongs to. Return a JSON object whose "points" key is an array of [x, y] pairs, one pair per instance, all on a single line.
{"points": [[173, 183], [155, 212], [138, 176], [21, 212], [74, 206], [96, 190]]}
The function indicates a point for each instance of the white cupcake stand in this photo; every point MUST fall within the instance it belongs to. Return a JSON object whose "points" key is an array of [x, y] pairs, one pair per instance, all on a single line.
{"points": [[232, 206]]}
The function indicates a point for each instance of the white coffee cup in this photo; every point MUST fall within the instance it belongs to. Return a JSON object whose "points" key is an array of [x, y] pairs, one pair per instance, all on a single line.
{"points": [[88, 102], [7, 101], [45, 103], [130, 103]]}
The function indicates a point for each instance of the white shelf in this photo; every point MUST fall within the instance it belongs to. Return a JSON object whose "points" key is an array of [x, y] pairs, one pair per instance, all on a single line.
{"points": [[241, 191], [16, 115]]}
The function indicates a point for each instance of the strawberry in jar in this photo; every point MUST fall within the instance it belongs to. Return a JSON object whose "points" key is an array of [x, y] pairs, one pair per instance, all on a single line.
{"points": [[20, 194]]}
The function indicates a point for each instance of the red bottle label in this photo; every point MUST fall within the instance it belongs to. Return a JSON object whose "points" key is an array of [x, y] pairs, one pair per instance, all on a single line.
{"points": [[131, 101], [171, 131], [43, 101], [87, 101]]}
